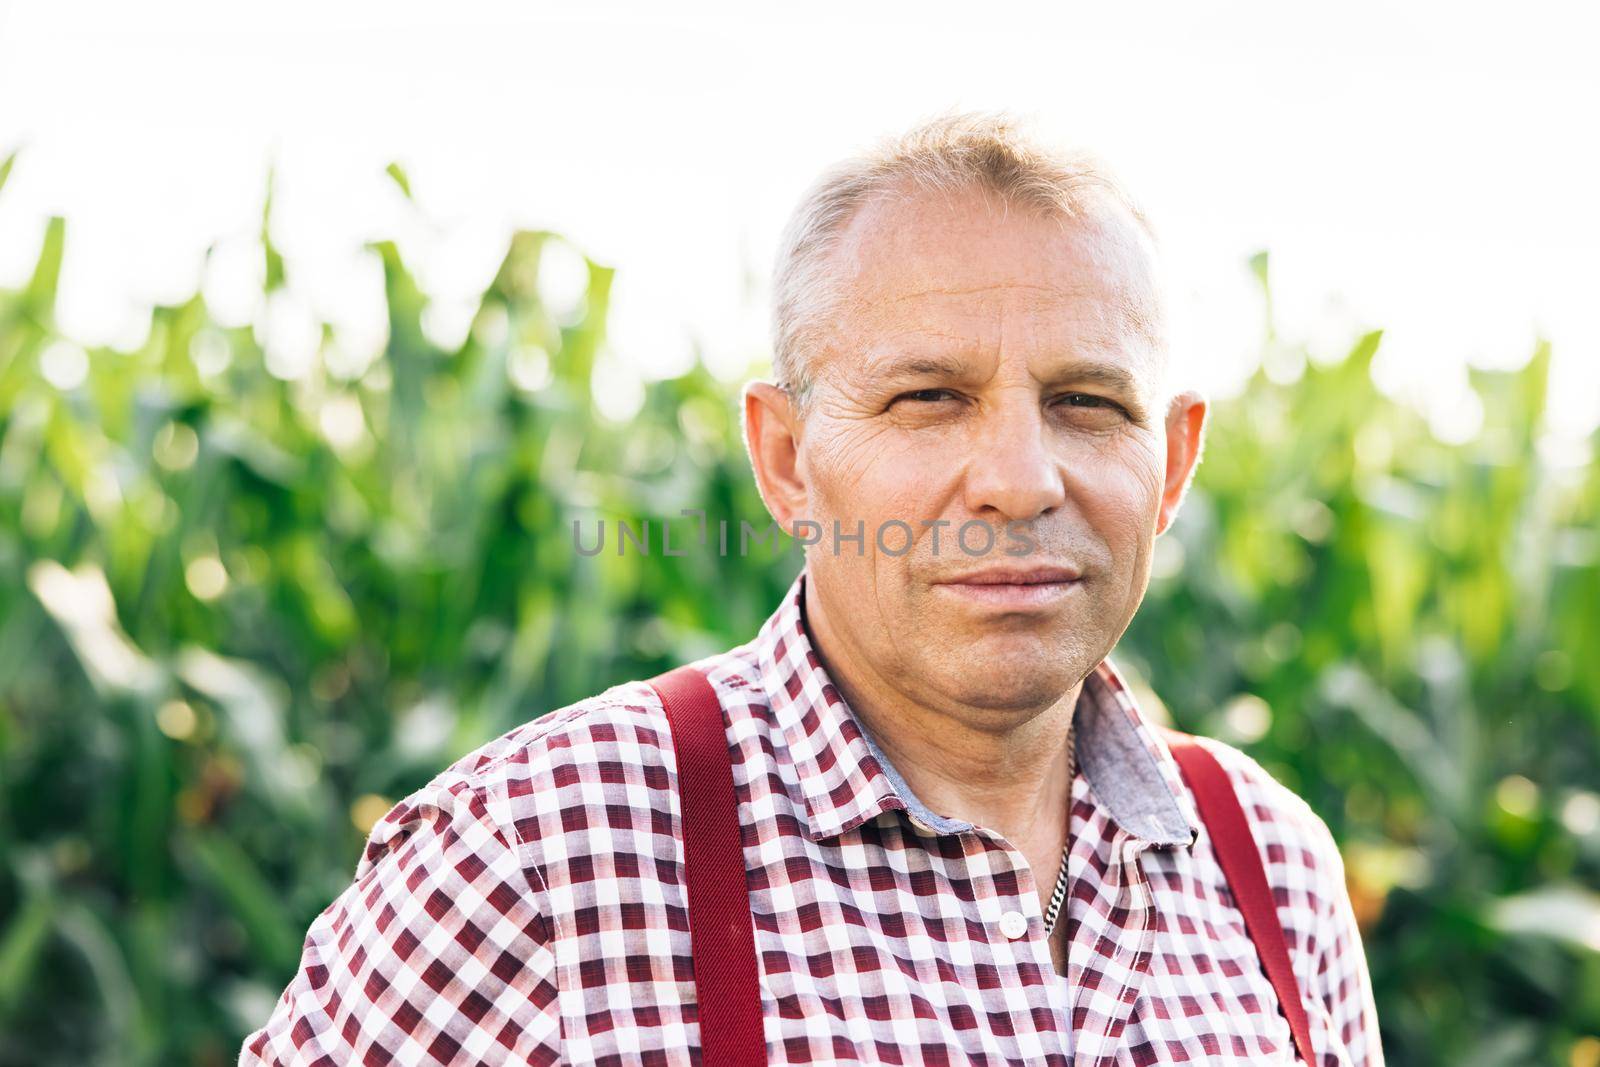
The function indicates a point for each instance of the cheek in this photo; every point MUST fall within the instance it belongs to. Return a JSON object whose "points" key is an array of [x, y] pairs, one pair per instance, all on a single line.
{"points": [[1119, 492], [876, 476]]}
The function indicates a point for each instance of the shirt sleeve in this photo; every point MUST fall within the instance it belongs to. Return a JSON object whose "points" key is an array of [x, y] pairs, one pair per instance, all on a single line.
{"points": [[437, 952], [1341, 976], [1308, 877]]}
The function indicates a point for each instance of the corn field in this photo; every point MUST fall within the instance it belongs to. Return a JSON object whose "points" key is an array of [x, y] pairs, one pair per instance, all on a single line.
{"points": [[242, 612]]}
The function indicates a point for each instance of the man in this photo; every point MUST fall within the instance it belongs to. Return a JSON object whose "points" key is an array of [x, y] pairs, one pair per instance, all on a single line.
{"points": [[926, 739]]}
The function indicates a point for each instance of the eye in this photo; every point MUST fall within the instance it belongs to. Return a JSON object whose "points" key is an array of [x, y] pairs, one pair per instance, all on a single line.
{"points": [[926, 396], [1089, 400]]}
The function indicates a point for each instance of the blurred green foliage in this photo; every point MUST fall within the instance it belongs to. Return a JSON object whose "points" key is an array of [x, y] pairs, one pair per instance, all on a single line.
{"points": [[240, 614]]}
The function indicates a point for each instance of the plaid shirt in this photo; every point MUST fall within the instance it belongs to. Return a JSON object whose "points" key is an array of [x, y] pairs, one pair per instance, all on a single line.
{"points": [[528, 905]]}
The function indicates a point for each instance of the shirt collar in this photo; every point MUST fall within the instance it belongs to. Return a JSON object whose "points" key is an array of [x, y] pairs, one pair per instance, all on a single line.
{"points": [[846, 779]]}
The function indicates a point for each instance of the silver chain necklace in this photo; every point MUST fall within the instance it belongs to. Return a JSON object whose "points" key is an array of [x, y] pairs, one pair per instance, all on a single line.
{"points": [[1059, 897]]}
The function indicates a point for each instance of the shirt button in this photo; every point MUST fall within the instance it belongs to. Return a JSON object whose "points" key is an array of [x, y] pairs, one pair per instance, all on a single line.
{"points": [[1013, 924]]}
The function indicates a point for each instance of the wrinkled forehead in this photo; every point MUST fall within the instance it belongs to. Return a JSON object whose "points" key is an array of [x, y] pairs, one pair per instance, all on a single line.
{"points": [[958, 263]]}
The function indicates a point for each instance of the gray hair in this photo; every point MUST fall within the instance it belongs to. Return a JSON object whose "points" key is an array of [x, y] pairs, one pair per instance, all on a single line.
{"points": [[948, 154]]}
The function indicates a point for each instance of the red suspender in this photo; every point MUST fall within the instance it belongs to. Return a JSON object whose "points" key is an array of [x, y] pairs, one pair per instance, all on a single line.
{"points": [[724, 946], [1240, 860], [725, 971]]}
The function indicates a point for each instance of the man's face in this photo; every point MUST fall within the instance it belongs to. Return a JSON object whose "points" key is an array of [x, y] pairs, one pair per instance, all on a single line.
{"points": [[984, 369]]}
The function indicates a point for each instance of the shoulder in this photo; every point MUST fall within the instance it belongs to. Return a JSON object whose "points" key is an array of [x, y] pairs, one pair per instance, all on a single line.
{"points": [[479, 786], [1306, 874], [1298, 850], [620, 731], [602, 762], [624, 722]]}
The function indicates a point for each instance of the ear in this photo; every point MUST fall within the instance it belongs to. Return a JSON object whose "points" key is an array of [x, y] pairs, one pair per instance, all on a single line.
{"points": [[772, 431], [1186, 420]]}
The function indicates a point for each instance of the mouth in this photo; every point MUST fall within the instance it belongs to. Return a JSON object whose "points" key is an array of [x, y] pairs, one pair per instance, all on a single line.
{"points": [[1013, 588]]}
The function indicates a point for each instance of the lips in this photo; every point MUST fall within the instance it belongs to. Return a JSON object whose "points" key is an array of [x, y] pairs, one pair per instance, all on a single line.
{"points": [[1013, 589], [1016, 576]]}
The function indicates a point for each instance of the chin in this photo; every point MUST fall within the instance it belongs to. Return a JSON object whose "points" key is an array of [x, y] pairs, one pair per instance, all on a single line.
{"points": [[1027, 667], [1006, 681]]}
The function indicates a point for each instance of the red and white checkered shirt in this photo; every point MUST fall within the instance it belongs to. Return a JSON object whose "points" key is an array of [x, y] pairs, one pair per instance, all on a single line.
{"points": [[528, 905]]}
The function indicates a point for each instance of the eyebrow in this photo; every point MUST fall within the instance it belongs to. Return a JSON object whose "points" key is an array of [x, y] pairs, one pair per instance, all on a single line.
{"points": [[937, 366], [1104, 374], [918, 366]]}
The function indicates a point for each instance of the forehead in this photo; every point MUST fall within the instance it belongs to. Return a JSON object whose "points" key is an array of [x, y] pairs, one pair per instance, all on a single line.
{"points": [[962, 263]]}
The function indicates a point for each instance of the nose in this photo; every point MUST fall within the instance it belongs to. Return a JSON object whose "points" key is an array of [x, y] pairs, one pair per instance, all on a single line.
{"points": [[1011, 473]]}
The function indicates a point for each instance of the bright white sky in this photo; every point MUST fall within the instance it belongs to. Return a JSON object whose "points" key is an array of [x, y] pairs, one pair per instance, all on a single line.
{"points": [[1430, 168]]}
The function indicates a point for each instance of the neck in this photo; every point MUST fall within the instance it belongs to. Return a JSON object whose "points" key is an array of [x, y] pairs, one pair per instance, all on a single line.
{"points": [[1002, 769]]}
